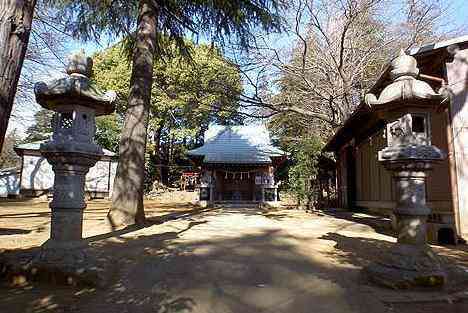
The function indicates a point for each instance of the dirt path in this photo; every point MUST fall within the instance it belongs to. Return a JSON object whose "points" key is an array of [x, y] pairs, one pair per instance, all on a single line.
{"points": [[237, 260]]}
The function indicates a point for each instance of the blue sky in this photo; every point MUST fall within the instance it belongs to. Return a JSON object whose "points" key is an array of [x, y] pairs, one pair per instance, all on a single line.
{"points": [[461, 11], [459, 18]]}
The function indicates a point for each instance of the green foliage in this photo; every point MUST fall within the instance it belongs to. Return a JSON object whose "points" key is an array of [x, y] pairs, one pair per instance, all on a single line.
{"points": [[187, 96], [216, 20], [8, 156], [108, 129], [303, 172], [41, 128]]}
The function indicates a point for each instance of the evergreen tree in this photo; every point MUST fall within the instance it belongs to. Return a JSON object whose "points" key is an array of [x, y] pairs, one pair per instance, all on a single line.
{"points": [[41, 128], [153, 23], [187, 96], [15, 27], [303, 172], [8, 156]]}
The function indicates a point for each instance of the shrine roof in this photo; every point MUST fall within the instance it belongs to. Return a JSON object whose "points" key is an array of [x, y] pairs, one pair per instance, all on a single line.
{"points": [[237, 145]]}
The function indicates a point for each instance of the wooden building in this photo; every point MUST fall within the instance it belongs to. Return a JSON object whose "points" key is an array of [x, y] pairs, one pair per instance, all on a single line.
{"points": [[9, 182], [237, 165], [363, 182], [36, 177]]}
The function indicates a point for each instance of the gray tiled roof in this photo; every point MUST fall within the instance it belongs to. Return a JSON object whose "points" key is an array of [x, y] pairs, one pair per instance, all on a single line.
{"points": [[35, 146], [237, 145]]}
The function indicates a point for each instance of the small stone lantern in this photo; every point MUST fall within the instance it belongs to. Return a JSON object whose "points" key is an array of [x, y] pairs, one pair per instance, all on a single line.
{"points": [[407, 104], [72, 152], [207, 184]]}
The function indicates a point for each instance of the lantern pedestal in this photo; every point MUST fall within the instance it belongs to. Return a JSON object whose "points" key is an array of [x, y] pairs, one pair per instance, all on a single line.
{"points": [[66, 244], [411, 262], [406, 104], [72, 152], [407, 266]]}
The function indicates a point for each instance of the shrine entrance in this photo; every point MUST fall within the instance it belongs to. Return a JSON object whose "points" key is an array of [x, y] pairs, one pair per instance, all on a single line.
{"points": [[237, 164], [235, 186]]}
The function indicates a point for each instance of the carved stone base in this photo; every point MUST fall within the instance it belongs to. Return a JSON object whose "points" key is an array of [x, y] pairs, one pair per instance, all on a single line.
{"points": [[21, 267], [62, 252], [406, 267], [65, 263]]}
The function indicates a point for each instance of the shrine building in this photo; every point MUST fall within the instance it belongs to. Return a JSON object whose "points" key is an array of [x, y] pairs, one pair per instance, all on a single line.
{"points": [[363, 182], [237, 165]]}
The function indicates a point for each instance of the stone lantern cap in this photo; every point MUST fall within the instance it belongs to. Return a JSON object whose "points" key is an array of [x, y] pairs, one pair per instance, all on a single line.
{"points": [[75, 89], [405, 89], [411, 152]]}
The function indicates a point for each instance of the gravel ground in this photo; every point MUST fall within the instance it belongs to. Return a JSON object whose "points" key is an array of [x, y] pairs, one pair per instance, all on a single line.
{"points": [[224, 260]]}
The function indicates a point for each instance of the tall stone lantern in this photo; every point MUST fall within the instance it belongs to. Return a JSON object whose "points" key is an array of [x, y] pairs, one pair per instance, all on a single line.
{"points": [[72, 152], [407, 103]]}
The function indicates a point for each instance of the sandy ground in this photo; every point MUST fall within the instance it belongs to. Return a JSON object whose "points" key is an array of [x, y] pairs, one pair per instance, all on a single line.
{"points": [[224, 260]]}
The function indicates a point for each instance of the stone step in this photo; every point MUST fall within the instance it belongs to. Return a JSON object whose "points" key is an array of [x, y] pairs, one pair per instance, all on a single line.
{"points": [[246, 204]]}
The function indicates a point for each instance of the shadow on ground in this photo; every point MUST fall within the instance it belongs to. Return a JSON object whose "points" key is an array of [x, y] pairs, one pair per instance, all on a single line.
{"points": [[262, 270], [379, 224], [13, 231]]}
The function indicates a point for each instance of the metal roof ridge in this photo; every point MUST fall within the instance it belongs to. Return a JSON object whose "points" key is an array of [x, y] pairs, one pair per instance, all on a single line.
{"points": [[414, 52], [438, 45]]}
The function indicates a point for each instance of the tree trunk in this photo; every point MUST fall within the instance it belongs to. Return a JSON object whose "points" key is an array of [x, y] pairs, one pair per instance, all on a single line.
{"points": [[15, 26], [157, 148], [127, 198]]}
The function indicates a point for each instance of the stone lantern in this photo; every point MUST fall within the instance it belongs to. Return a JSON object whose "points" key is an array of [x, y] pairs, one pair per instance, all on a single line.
{"points": [[72, 152], [207, 185], [407, 104]]}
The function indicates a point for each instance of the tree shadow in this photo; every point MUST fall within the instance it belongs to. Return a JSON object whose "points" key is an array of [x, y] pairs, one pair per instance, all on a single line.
{"points": [[361, 251], [25, 215], [263, 270], [13, 231], [277, 214], [151, 221], [358, 251], [379, 224], [259, 272]]}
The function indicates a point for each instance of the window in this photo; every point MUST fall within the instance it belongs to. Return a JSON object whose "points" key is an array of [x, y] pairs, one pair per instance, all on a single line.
{"points": [[66, 120], [418, 124]]}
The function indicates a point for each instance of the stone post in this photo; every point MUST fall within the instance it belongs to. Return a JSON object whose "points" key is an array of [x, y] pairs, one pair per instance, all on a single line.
{"points": [[72, 152], [65, 244], [409, 155], [411, 210], [212, 199], [411, 262]]}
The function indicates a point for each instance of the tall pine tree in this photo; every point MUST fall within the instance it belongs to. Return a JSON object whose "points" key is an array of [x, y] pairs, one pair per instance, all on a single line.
{"points": [[149, 25], [15, 27]]}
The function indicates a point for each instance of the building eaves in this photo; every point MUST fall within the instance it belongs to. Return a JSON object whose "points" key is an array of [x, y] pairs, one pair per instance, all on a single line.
{"points": [[347, 132]]}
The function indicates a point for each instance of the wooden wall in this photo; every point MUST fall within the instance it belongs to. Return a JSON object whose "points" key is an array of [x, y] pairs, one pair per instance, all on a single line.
{"points": [[438, 182], [342, 182], [457, 76], [375, 188], [374, 183]]}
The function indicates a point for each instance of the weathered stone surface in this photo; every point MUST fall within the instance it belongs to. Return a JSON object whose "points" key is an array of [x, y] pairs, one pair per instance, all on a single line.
{"points": [[409, 156], [72, 152], [406, 266], [405, 87], [75, 88]]}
